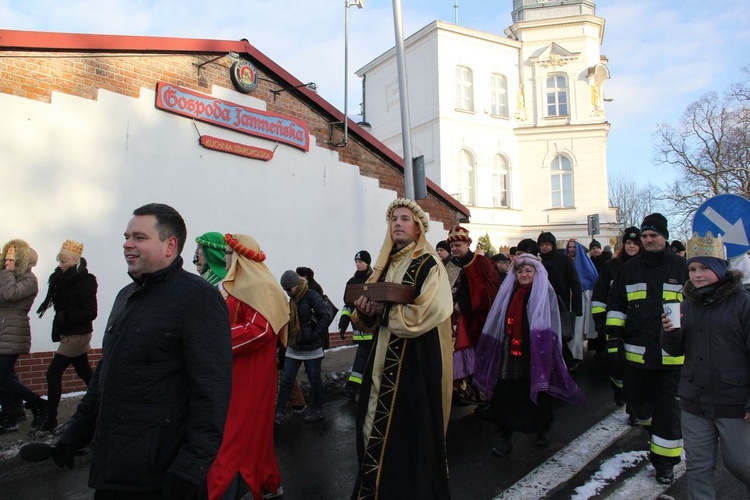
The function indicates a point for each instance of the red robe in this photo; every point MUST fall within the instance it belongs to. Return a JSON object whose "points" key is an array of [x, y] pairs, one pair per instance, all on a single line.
{"points": [[484, 282], [247, 446]]}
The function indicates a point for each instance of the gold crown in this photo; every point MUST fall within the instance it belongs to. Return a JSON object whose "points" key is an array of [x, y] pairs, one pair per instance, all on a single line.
{"points": [[10, 254], [707, 246], [72, 247]]}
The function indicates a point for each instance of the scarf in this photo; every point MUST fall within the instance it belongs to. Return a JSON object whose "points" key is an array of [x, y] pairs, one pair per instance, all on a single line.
{"points": [[585, 268], [514, 320], [294, 326], [55, 280], [213, 246]]}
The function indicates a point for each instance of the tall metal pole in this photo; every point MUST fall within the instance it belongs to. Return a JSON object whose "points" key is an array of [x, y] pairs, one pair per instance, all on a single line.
{"points": [[404, 98], [346, 72]]}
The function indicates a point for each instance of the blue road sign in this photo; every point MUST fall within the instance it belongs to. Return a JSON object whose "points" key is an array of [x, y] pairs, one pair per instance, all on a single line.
{"points": [[727, 215]]}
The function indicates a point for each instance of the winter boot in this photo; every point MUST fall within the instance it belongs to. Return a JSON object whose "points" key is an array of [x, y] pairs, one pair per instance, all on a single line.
{"points": [[8, 423], [316, 415], [39, 410], [505, 448]]}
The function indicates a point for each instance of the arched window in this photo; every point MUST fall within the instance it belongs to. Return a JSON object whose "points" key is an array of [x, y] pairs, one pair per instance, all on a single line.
{"points": [[557, 95], [466, 172], [561, 182], [500, 182], [464, 90], [499, 94]]}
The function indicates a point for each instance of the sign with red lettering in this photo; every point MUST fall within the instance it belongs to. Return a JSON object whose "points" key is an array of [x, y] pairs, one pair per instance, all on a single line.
{"points": [[235, 148], [204, 108]]}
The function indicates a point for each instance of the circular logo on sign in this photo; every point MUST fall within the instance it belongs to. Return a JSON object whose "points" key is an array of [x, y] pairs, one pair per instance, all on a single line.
{"points": [[244, 76]]}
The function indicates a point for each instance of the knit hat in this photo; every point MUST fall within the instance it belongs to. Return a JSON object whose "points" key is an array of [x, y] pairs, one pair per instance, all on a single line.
{"points": [[512, 250], [631, 233], [709, 251], [364, 256], [594, 244], [528, 246], [444, 245], [499, 257], [546, 237], [71, 248], [655, 222], [289, 279], [607, 248], [677, 246], [458, 233]]}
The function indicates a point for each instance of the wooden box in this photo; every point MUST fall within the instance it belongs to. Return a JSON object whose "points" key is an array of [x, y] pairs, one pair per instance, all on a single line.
{"points": [[380, 292]]}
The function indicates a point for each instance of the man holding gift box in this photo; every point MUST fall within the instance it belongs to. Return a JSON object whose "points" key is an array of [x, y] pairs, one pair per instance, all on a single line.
{"points": [[406, 389]]}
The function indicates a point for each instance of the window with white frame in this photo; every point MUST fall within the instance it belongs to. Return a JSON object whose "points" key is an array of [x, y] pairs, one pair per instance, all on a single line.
{"points": [[561, 182], [466, 172], [500, 182], [557, 95], [464, 88], [499, 94]]}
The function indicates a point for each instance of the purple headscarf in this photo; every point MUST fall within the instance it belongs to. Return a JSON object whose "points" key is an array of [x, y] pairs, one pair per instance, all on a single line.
{"points": [[548, 371]]}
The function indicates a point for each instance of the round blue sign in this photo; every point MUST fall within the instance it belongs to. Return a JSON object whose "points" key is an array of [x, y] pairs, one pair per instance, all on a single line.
{"points": [[727, 215]]}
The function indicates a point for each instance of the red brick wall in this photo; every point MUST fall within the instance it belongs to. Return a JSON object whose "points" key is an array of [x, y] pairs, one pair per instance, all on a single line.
{"points": [[31, 370], [35, 75]]}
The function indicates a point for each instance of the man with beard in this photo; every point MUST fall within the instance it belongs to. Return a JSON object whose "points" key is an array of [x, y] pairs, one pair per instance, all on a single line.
{"points": [[405, 405], [650, 375], [474, 290]]}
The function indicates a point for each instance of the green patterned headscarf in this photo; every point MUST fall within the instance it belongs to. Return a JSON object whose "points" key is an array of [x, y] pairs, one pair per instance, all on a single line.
{"points": [[213, 250]]}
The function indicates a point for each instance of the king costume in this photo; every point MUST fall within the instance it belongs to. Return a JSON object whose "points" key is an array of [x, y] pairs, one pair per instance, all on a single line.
{"points": [[258, 313], [406, 392]]}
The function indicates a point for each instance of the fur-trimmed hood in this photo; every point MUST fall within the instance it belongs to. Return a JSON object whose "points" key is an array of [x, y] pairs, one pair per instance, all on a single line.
{"points": [[26, 257], [726, 286]]}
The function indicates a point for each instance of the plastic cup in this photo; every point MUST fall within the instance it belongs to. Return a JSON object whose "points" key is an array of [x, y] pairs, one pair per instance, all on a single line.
{"points": [[672, 310]]}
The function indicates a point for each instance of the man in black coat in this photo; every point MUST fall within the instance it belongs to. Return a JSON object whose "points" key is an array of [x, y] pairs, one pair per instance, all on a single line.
{"points": [[157, 402], [564, 279]]}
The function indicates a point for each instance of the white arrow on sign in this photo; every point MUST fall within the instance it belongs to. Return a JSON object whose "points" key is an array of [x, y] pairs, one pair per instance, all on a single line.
{"points": [[733, 233]]}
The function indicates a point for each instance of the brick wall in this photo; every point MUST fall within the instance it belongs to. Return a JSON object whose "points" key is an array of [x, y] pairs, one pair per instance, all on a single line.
{"points": [[32, 368], [36, 74]]}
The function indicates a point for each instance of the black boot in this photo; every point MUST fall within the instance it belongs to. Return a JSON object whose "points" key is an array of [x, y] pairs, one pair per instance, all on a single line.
{"points": [[39, 410], [542, 439], [8, 423], [505, 448]]}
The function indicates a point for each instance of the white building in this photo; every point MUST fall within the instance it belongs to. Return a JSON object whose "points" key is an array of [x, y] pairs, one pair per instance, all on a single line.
{"points": [[512, 125]]}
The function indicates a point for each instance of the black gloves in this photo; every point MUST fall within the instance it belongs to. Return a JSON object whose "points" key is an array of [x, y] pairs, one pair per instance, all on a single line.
{"points": [[176, 488], [344, 321], [63, 454]]}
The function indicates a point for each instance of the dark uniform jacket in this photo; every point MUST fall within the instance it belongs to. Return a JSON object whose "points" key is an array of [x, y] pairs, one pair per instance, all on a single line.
{"points": [[715, 340], [159, 397], [564, 279], [635, 304]]}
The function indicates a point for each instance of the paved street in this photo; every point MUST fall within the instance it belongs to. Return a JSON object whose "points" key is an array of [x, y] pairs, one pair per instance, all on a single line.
{"points": [[593, 453]]}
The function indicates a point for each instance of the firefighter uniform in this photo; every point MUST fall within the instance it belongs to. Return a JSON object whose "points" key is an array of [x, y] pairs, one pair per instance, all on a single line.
{"points": [[633, 327]]}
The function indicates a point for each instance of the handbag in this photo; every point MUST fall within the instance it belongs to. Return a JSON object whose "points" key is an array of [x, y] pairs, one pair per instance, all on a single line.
{"points": [[567, 321]]}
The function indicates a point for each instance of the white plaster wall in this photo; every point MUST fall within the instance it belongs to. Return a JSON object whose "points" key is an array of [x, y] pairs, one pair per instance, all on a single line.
{"points": [[77, 168]]}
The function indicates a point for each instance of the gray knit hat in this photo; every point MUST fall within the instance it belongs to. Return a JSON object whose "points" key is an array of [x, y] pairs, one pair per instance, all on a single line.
{"points": [[289, 279]]}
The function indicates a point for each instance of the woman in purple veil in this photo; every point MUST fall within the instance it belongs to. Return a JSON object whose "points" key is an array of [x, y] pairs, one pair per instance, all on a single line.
{"points": [[519, 363]]}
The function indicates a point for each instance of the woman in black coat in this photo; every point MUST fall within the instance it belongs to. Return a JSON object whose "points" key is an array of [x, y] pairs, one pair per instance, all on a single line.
{"points": [[72, 292], [308, 323]]}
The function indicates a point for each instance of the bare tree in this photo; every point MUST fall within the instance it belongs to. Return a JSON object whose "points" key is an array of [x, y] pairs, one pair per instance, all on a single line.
{"points": [[709, 150], [633, 202]]}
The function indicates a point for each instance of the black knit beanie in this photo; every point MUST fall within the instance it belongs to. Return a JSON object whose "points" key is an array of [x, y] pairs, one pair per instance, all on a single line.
{"points": [[631, 233], [655, 222], [364, 256]]}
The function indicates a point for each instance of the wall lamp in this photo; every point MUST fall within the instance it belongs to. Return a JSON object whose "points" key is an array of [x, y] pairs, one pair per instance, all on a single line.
{"points": [[233, 56], [311, 85]]}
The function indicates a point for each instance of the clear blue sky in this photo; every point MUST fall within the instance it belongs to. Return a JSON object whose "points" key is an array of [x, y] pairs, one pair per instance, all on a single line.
{"points": [[663, 54]]}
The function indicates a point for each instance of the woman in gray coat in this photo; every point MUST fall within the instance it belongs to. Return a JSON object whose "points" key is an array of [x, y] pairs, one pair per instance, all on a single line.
{"points": [[18, 289], [714, 390]]}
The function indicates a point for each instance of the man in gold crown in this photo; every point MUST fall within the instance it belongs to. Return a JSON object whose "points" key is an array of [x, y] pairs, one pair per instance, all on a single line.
{"points": [[474, 289], [714, 338], [405, 397], [633, 326]]}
